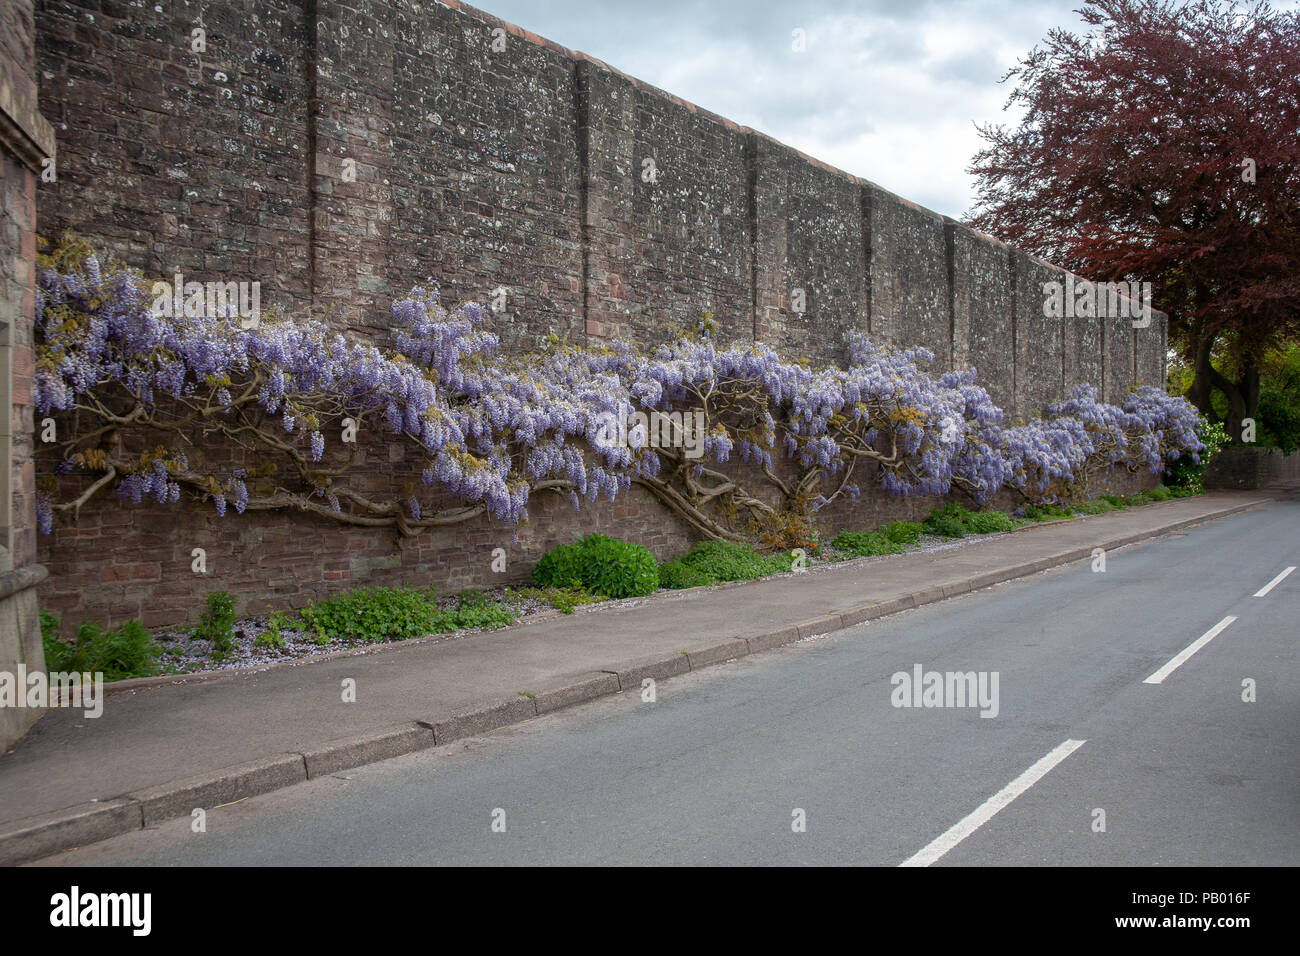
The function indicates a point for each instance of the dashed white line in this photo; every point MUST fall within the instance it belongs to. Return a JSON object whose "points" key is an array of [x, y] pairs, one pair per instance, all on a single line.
{"points": [[1180, 658], [990, 807], [1274, 583]]}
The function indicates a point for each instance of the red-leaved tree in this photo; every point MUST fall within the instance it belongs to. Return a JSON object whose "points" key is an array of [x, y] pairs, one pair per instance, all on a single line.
{"points": [[1162, 144]]}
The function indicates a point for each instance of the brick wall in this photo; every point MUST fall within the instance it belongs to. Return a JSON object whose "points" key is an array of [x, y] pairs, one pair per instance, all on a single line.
{"points": [[339, 151]]}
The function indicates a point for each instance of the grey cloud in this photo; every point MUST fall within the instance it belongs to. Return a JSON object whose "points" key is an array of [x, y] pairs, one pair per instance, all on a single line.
{"points": [[867, 68], [974, 67]]}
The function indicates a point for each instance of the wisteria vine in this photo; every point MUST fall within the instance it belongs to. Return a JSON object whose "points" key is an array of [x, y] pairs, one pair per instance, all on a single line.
{"points": [[259, 418]]}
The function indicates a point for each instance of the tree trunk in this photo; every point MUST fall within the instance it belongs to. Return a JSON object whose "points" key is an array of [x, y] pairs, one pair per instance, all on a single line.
{"points": [[1250, 389], [1242, 395], [1202, 387]]}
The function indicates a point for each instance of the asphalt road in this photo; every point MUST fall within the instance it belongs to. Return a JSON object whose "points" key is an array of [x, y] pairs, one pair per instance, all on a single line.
{"points": [[716, 768]]}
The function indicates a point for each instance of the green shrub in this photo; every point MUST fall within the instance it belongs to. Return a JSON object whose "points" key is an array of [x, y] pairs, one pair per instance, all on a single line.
{"points": [[892, 538], [864, 543], [725, 561], [125, 651], [1159, 493], [1045, 512], [217, 624], [1183, 473], [374, 614], [954, 521], [601, 565], [58, 653], [714, 562], [394, 614], [619, 569], [122, 652], [987, 522], [948, 521], [561, 567], [903, 532], [675, 575]]}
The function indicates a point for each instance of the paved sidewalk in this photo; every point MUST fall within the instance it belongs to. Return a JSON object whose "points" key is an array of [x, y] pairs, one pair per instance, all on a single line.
{"points": [[164, 748]]}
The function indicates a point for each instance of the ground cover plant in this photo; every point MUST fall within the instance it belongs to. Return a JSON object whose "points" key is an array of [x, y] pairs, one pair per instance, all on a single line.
{"points": [[599, 565], [120, 652], [715, 562], [396, 613]]}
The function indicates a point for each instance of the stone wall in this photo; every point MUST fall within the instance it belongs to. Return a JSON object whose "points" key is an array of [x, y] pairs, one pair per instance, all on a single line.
{"points": [[339, 152], [26, 142], [1249, 467]]}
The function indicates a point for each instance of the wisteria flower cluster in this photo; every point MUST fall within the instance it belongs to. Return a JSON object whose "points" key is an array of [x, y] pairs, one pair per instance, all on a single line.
{"points": [[273, 417]]}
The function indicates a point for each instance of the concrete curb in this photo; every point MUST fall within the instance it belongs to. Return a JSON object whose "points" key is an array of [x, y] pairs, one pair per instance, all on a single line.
{"points": [[38, 836], [64, 829], [228, 785], [354, 751]]}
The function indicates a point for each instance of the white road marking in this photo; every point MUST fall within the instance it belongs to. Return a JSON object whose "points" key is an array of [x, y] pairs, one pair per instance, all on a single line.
{"points": [[1180, 658], [990, 807], [1274, 583]]}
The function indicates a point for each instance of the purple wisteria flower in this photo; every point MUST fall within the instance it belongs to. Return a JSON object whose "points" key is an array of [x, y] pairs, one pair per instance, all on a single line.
{"points": [[487, 429]]}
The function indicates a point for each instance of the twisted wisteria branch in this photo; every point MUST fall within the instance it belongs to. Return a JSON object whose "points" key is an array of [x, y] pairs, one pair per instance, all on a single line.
{"points": [[141, 398]]}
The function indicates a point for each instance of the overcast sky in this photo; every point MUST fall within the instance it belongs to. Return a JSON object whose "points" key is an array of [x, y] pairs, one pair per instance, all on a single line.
{"points": [[888, 90]]}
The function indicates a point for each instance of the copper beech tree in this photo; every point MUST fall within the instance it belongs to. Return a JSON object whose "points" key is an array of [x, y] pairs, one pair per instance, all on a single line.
{"points": [[1162, 145]]}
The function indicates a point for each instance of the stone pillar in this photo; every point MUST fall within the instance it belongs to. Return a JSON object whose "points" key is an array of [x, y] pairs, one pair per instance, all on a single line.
{"points": [[981, 310], [26, 150], [911, 296], [350, 59], [810, 275]]}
